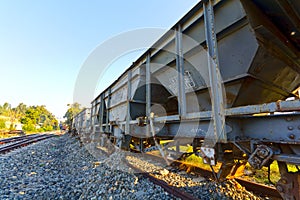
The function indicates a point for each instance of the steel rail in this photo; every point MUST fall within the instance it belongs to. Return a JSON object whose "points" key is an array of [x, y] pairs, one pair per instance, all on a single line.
{"points": [[22, 143], [171, 189], [15, 139], [256, 188]]}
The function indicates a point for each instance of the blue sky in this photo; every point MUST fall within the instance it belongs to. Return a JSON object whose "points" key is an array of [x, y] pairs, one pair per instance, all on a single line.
{"points": [[43, 44]]}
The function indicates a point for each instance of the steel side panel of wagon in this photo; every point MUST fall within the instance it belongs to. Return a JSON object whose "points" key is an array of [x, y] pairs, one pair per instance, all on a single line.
{"points": [[259, 63], [81, 121]]}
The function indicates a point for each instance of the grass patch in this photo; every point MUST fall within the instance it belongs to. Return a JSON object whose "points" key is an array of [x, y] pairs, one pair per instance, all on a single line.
{"points": [[4, 135], [261, 175], [197, 161], [186, 148]]}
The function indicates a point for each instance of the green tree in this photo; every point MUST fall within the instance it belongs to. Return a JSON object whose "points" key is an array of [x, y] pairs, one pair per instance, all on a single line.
{"points": [[30, 116], [21, 109], [2, 124], [39, 116], [10, 112], [6, 106], [5, 109], [73, 110]]}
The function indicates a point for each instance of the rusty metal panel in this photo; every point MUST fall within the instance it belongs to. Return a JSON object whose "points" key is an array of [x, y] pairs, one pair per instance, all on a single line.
{"points": [[275, 128]]}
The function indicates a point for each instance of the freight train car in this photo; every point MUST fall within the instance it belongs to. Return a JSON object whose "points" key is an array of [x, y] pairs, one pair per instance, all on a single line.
{"points": [[218, 79], [81, 122]]}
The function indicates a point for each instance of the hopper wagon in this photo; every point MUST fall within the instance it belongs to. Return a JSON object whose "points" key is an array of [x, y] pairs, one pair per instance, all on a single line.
{"points": [[224, 79], [81, 122]]}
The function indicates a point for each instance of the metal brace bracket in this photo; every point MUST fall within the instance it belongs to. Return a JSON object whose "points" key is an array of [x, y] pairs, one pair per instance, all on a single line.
{"points": [[208, 155], [260, 156]]}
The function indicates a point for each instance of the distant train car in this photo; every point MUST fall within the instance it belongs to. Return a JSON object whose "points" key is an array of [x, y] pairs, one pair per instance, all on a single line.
{"points": [[207, 81], [81, 122]]}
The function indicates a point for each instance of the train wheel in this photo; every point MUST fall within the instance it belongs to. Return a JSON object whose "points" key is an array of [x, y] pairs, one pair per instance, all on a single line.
{"points": [[289, 184], [126, 140]]}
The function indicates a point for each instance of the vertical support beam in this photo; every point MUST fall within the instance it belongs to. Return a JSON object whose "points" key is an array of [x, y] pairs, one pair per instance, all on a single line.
{"points": [[96, 121], [95, 115], [148, 91], [141, 145], [88, 121], [101, 112], [177, 147], [107, 128], [92, 117], [127, 126], [180, 71], [214, 72], [80, 122]]}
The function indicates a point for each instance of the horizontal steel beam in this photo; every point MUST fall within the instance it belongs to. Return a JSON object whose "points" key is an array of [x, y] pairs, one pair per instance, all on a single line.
{"points": [[287, 158], [280, 106]]}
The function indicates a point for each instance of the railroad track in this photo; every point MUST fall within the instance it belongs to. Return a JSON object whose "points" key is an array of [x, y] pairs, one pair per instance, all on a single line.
{"points": [[256, 188], [15, 139], [171, 189], [174, 182], [23, 141]]}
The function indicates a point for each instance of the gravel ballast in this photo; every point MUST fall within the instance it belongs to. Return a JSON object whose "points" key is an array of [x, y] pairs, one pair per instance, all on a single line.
{"points": [[58, 168], [64, 168], [199, 187]]}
